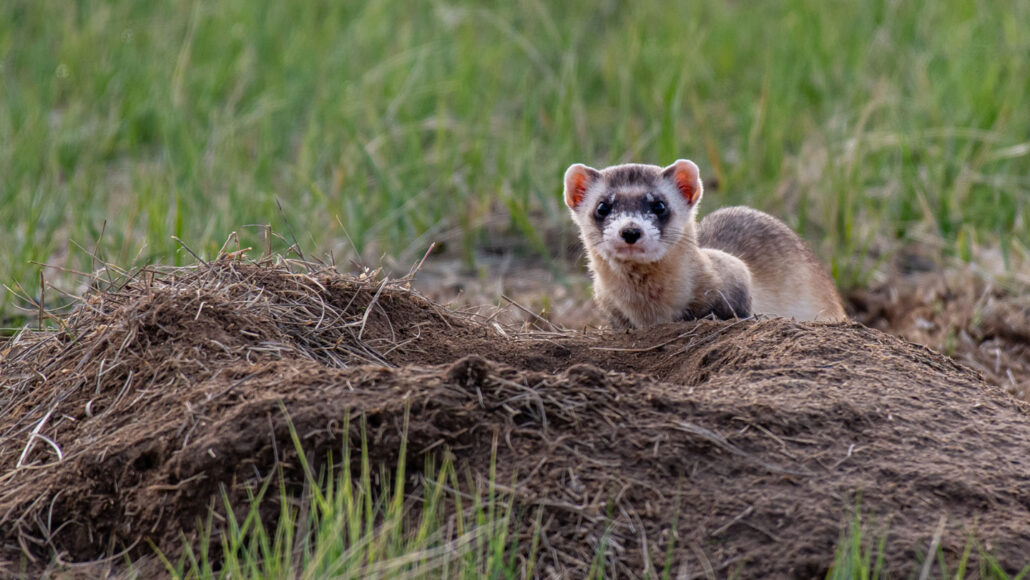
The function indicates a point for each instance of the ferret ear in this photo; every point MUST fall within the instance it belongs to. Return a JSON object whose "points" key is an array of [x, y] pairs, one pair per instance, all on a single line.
{"points": [[685, 176], [578, 178]]}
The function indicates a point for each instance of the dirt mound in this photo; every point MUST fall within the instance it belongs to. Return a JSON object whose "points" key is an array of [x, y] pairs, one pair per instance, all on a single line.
{"points": [[752, 439], [981, 322]]}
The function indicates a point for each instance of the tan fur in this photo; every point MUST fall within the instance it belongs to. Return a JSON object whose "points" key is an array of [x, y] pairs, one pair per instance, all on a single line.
{"points": [[736, 260], [786, 278]]}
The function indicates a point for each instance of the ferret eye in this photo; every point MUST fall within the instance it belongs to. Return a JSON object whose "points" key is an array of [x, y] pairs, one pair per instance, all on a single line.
{"points": [[658, 207], [603, 209]]}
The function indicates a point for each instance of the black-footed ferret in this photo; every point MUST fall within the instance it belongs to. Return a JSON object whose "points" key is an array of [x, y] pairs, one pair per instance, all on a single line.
{"points": [[651, 265]]}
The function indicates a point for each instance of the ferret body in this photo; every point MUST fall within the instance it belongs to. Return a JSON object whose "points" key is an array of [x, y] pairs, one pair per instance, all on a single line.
{"points": [[652, 264]]}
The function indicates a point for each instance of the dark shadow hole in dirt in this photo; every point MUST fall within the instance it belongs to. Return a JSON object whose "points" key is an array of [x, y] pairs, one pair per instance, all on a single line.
{"points": [[147, 461], [812, 569]]}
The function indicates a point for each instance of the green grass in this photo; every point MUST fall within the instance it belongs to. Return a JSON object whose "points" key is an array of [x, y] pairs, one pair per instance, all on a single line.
{"points": [[858, 558], [382, 126], [362, 525]]}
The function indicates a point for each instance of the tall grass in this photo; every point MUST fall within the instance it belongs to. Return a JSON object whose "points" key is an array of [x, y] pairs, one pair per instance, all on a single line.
{"points": [[382, 126]]}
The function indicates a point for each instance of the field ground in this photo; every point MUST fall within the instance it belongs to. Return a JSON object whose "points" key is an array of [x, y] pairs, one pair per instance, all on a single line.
{"points": [[735, 447]]}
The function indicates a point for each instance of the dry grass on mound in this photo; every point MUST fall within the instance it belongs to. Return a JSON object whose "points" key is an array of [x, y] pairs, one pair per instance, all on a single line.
{"points": [[746, 441]]}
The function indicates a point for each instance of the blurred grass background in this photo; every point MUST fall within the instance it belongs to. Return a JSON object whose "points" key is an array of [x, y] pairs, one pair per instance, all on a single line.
{"points": [[383, 126]]}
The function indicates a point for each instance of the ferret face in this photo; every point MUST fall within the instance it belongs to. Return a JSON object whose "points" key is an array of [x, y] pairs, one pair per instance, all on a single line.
{"points": [[633, 213]]}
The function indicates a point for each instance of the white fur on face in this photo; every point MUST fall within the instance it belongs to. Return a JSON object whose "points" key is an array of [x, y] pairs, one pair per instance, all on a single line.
{"points": [[654, 243], [649, 248]]}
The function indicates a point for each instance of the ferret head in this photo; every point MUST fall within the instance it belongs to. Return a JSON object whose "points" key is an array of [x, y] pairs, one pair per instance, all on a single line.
{"points": [[633, 213]]}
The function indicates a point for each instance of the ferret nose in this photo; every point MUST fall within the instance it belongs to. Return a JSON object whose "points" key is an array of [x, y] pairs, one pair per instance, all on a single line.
{"points": [[630, 234]]}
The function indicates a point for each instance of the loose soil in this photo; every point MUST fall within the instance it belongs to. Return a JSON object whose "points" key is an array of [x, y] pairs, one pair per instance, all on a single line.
{"points": [[752, 441]]}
